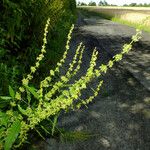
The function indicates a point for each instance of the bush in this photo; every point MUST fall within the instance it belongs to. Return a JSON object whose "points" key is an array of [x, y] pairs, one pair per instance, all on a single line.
{"points": [[92, 3], [21, 27], [27, 108]]}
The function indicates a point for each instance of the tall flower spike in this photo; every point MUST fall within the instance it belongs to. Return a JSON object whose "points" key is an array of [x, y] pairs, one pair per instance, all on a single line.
{"points": [[74, 61], [33, 69], [92, 63], [79, 62], [59, 64], [66, 78], [66, 51], [88, 100]]}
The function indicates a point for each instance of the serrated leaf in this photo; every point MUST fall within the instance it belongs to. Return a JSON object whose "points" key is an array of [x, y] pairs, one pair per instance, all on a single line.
{"points": [[32, 90], [12, 134], [11, 92]]}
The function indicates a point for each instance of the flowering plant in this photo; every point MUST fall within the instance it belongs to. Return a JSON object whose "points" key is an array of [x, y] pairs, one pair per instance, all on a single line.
{"points": [[30, 106]]}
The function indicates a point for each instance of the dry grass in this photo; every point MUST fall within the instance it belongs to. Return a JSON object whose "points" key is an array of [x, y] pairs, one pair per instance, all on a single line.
{"points": [[137, 15], [118, 7]]}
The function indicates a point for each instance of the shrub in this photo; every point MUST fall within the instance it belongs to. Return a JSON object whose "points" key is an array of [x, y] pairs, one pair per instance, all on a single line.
{"points": [[25, 109], [21, 27], [92, 4]]}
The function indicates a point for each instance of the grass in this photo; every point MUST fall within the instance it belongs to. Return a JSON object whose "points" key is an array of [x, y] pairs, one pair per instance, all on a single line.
{"points": [[131, 24], [132, 18], [117, 7]]}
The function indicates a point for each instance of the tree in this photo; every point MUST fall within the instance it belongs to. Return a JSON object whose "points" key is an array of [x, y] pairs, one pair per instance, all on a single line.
{"points": [[92, 3], [83, 4], [140, 5], [133, 4], [103, 3], [79, 3], [125, 5]]}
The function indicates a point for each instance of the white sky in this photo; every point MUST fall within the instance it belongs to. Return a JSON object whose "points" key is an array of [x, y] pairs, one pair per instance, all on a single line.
{"points": [[117, 2]]}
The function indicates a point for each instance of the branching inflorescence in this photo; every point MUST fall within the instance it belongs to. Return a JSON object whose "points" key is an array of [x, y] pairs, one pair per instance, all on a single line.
{"points": [[53, 98]]}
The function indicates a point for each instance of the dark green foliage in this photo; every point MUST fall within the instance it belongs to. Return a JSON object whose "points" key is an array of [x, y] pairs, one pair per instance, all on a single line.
{"points": [[92, 3], [21, 34], [33, 91], [103, 3], [11, 92], [21, 29], [8, 74], [81, 4], [137, 5], [12, 134]]}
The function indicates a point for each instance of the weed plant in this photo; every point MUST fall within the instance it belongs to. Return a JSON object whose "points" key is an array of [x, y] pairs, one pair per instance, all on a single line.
{"points": [[24, 110]]}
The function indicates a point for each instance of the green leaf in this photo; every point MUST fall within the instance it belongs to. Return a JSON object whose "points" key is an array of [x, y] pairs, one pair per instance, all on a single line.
{"points": [[11, 92], [54, 123], [2, 129], [4, 101], [3, 104], [12, 134], [22, 110], [32, 90], [28, 97], [5, 98], [4, 119]]}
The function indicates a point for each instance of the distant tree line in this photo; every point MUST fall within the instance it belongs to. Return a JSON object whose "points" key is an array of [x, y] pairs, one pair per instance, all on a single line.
{"points": [[92, 3], [105, 3], [137, 5]]}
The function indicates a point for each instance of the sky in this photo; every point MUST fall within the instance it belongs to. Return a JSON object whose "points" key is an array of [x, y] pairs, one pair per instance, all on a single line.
{"points": [[118, 2]]}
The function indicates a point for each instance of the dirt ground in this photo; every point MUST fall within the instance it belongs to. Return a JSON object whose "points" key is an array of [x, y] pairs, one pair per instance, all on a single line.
{"points": [[118, 118]]}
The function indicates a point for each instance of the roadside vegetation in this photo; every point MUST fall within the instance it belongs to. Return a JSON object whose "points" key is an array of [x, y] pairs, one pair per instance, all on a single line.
{"points": [[30, 108], [21, 34], [105, 3], [21, 29], [134, 14], [33, 90], [135, 17]]}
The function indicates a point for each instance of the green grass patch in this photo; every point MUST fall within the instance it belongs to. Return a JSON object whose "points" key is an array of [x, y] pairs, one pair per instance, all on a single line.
{"points": [[131, 24]]}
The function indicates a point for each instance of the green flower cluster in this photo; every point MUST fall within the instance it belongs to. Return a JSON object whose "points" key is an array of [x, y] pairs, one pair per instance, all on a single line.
{"points": [[54, 97]]}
